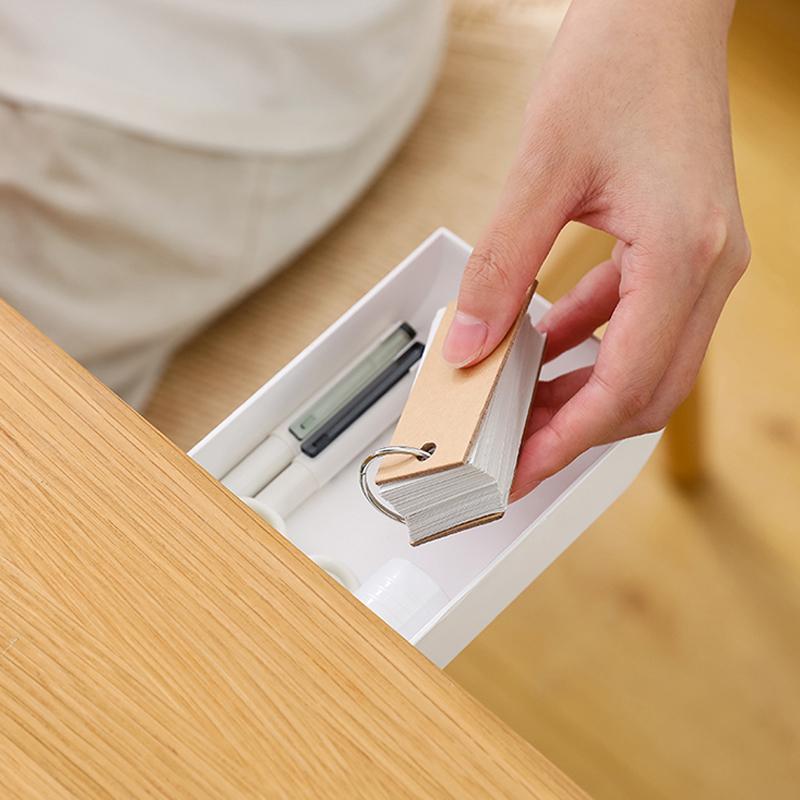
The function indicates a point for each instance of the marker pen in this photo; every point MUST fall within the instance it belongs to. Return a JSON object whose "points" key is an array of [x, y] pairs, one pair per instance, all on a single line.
{"points": [[320, 411], [367, 397]]}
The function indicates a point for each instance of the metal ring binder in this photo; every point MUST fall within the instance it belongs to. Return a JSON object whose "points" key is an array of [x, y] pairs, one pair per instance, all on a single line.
{"points": [[392, 450]]}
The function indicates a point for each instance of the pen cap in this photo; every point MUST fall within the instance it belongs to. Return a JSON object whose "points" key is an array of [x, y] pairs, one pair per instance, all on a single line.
{"points": [[258, 468], [266, 513], [290, 489]]}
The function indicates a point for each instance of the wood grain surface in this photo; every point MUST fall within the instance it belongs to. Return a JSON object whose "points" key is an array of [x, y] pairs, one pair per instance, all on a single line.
{"points": [[158, 640]]}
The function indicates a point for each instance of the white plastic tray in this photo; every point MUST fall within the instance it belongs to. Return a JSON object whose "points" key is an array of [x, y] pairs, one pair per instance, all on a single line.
{"points": [[482, 569]]}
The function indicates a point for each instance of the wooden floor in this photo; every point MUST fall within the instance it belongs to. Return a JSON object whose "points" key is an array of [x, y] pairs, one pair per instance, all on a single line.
{"points": [[660, 656]]}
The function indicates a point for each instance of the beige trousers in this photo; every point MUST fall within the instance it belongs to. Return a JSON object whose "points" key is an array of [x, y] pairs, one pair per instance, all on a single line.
{"points": [[119, 247]]}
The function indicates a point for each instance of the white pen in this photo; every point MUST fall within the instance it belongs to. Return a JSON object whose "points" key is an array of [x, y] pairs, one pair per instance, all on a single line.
{"points": [[276, 452]]}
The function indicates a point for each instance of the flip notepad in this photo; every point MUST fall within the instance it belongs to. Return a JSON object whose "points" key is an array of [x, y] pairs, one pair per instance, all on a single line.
{"points": [[472, 420]]}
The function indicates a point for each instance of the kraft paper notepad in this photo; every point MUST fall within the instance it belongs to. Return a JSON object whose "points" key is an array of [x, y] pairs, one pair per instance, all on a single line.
{"points": [[472, 420]]}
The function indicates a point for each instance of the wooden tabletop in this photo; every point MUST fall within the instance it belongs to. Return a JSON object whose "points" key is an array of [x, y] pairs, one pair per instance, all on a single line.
{"points": [[158, 639]]}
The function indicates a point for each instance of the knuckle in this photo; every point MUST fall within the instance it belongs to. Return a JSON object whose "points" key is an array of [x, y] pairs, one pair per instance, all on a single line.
{"points": [[740, 254], [719, 239], [634, 401], [560, 439], [490, 268], [631, 400], [683, 386], [653, 420], [578, 300], [658, 414], [707, 240]]}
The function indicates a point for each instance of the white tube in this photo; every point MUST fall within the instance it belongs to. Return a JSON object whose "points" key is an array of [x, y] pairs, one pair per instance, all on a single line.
{"points": [[305, 475]]}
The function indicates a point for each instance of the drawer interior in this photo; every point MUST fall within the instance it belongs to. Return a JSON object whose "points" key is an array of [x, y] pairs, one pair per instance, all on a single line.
{"points": [[337, 522]]}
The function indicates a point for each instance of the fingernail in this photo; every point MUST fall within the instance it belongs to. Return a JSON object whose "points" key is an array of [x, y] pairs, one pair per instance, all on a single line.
{"points": [[465, 339]]}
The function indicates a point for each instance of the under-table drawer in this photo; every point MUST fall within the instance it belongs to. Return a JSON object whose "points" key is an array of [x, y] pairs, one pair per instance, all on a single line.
{"points": [[480, 570]]}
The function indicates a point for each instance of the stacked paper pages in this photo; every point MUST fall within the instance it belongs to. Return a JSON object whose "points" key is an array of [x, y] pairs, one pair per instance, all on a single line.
{"points": [[475, 441]]}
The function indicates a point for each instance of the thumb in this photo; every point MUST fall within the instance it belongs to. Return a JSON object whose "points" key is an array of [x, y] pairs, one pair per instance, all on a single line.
{"points": [[500, 270]]}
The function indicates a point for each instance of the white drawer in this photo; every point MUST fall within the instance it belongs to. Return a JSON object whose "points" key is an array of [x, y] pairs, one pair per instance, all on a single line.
{"points": [[483, 569]]}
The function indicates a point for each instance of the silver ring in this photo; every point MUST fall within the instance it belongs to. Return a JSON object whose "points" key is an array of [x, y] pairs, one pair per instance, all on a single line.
{"points": [[392, 450]]}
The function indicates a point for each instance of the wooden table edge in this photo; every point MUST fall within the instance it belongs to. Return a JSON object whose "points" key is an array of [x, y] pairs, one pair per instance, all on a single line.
{"points": [[157, 637]]}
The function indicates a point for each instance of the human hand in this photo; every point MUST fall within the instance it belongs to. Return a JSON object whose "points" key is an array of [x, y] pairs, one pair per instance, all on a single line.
{"points": [[628, 131]]}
